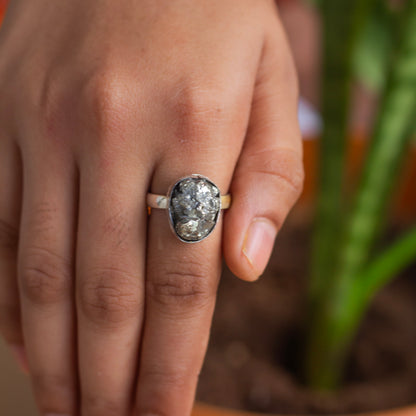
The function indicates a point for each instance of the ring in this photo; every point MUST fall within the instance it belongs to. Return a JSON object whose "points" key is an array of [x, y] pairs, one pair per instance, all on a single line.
{"points": [[194, 204]]}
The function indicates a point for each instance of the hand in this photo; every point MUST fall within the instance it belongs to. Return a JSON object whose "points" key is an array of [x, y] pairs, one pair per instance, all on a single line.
{"points": [[101, 102]]}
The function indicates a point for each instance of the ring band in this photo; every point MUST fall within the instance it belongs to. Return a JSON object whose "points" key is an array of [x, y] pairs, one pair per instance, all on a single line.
{"points": [[194, 204]]}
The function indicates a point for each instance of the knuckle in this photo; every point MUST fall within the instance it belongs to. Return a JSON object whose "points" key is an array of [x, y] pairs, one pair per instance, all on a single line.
{"points": [[45, 276], [181, 286], [195, 99], [109, 296], [53, 393], [105, 97], [108, 98], [200, 110], [8, 237]]}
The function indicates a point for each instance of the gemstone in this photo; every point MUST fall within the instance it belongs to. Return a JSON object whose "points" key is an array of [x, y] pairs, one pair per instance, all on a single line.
{"points": [[194, 208]]}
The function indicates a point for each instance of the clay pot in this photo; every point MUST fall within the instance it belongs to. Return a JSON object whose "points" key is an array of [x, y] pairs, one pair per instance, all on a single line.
{"points": [[204, 410]]}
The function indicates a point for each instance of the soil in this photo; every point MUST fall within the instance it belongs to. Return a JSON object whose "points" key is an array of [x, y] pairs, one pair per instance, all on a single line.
{"points": [[253, 357]]}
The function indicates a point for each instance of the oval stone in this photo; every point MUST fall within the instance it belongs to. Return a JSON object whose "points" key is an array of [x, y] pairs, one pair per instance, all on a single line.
{"points": [[194, 207]]}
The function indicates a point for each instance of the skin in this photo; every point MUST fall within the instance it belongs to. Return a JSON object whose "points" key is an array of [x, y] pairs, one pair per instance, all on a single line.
{"points": [[101, 102]]}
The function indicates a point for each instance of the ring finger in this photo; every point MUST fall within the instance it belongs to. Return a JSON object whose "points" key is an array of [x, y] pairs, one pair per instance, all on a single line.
{"points": [[181, 288]]}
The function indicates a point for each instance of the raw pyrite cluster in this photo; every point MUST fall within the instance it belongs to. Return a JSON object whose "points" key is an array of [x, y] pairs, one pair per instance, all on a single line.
{"points": [[194, 207]]}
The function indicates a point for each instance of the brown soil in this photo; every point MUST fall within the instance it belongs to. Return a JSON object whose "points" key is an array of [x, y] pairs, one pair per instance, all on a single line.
{"points": [[253, 355]]}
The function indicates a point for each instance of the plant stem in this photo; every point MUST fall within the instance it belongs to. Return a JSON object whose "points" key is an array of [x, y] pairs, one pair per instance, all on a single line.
{"points": [[333, 325], [339, 32], [342, 22], [356, 299]]}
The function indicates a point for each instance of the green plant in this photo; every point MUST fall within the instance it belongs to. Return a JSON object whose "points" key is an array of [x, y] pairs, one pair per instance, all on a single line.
{"points": [[346, 269]]}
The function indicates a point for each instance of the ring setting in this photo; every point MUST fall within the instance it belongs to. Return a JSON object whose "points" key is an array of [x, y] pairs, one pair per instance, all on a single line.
{"points": [[194, 204]]}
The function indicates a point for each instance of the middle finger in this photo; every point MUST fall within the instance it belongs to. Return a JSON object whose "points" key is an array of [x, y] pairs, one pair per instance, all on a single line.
{"points": [[110, 276]]}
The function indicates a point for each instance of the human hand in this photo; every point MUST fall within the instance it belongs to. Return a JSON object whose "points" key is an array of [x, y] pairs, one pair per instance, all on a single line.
{"points": [[101, 102]]}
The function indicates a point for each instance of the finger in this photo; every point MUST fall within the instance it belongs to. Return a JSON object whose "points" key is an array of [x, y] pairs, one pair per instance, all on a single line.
{"points": [[181, 285], [110, 277], [10, 206], [269, 174], [46, 275], [180, 296]]}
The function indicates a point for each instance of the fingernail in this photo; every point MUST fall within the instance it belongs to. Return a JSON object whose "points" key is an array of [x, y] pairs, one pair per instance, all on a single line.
{"points": [[19, 354], [258, 244]]}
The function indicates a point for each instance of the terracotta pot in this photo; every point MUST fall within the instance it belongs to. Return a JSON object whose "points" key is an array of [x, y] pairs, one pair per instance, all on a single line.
{"points": [[204, 410]]}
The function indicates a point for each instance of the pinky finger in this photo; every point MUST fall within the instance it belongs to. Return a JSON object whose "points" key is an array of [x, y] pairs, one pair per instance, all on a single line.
{"points": [[10, 205]]}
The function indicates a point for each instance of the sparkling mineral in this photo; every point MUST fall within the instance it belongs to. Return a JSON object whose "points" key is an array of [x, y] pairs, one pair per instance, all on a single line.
{"points": [[194, 208]]}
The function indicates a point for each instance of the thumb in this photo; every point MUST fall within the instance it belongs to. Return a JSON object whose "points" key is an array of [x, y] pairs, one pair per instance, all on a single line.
{"points": [[269, 174]]}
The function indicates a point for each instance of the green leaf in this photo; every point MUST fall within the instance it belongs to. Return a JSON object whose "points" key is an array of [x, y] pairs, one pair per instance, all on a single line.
{"points": [[373, 50]]}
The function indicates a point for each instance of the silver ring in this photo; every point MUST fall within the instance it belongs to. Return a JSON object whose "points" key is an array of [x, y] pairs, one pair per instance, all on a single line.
{"points": [[194, 204]]}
